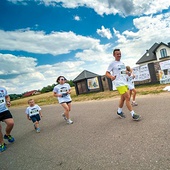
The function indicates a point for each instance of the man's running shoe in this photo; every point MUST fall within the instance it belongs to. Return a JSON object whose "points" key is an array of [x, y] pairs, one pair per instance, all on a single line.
{"points": [[69, 121], [9, 138], [64, 116], [136, 117], [121, 115], [2, 147]]}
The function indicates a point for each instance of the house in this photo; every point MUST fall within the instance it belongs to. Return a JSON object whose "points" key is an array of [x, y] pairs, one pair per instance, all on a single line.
{"points": [[87, 82], [157, 59], [30, 93]]}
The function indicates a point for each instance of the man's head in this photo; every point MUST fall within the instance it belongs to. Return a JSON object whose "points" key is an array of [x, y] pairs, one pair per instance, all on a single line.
{"points": [[117, 54]]}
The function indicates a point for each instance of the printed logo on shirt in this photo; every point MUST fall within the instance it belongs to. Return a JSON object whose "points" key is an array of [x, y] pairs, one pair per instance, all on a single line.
{"points": [[122, 68], [64, 90], [34, 110]]}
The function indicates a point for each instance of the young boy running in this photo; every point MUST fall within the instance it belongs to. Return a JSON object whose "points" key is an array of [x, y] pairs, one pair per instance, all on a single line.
{"points": [[34, 113], [117, 72]]}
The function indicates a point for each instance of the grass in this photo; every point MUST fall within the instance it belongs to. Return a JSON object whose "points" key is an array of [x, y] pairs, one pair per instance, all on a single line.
{"points": [[48, 98]]}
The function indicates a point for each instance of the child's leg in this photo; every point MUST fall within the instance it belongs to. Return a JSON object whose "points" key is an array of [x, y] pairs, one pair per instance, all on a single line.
{"points": [[134, 94], [36, 124]]}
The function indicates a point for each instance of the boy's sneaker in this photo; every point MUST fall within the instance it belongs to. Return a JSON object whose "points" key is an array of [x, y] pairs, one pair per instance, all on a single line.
{"points": [[64, 116], [38, 130], [9, 138], [134, 104], [69, 121], [136, 117], [121, 115], [2, 147]]}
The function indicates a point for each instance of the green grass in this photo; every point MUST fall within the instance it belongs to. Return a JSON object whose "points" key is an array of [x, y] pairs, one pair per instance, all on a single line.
{"points": [[48, 98]]}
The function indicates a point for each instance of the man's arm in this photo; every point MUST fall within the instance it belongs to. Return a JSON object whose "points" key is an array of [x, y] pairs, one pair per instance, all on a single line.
{"points": [[108, 75], [8, 100]]}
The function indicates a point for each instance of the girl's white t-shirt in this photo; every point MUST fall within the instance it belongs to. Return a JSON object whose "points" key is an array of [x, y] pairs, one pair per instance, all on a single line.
{"points": [[62, 89], [118, 69], [130, 80]]}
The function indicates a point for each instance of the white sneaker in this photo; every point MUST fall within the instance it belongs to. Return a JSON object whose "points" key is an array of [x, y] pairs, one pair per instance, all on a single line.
{"points": [[64, 116], [69, 121]]}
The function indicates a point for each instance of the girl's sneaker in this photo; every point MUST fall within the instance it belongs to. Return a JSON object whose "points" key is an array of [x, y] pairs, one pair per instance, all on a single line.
{"points": [[134, 104], [2, 147], [69, 121]]}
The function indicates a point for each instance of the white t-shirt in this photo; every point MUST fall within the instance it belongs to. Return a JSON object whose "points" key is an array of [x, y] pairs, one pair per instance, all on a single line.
{"points": [[130, 80], [62, 89], [3, 106], [118, 69], [34, 110]]}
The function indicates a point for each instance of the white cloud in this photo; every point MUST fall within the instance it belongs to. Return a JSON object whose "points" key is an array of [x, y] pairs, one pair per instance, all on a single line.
{"points": [[54, 43], [121, 7], [77, 18], [104, 32], [24, 74], [149, 31]]}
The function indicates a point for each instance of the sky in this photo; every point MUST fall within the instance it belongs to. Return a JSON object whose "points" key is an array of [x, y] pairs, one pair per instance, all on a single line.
{"points": [[43, 39]]}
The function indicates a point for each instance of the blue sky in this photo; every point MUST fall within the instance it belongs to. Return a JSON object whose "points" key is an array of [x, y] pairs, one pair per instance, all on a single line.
{"points": [[42, 39]]}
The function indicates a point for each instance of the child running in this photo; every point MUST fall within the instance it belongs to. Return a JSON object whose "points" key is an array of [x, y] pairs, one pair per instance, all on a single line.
{"points": [[34, 113], [131, 85], [62, 91]]}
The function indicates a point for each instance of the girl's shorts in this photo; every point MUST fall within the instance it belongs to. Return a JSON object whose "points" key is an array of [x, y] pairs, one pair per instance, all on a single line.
{"points": [[122, 89]]}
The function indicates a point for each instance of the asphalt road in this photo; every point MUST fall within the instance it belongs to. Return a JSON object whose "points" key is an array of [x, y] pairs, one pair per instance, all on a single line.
{"points": [[98, 139]]}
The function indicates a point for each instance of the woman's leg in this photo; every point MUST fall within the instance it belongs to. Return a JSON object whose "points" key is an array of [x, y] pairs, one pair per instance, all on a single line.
{"points": [[66, 109]]}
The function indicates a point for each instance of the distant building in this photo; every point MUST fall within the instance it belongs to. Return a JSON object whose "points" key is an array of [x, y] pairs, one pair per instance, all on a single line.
{"points": [[157, 59], [87, 82], [31, 93]]}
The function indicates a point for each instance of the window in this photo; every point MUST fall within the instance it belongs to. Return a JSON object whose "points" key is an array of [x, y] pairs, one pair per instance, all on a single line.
{"points": [[163, 53]]}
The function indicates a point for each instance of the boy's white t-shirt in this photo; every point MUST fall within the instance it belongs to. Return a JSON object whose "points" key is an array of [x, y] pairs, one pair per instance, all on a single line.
{"points": [[118, 69], [63, 89], [3, 93], [34, 110]]}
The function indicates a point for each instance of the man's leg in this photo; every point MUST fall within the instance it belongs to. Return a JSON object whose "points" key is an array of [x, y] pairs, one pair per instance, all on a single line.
{"points": [[9, 125], [1, 136]]}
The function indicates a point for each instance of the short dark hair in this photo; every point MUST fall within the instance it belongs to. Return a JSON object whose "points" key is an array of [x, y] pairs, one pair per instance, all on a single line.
{"points": [[59, 78], [117, 49]]}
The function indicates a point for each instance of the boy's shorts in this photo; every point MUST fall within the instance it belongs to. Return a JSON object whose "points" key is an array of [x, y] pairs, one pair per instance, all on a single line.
{"points": [[35, 118], [5, 115], [122, 89]]}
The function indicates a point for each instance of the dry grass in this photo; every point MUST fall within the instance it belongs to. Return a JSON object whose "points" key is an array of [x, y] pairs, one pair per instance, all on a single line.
{"points": [[48, 98]]}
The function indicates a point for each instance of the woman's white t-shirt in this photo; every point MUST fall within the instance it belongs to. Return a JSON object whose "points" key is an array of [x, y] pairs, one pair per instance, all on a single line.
{"points": [[63, 89]]}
